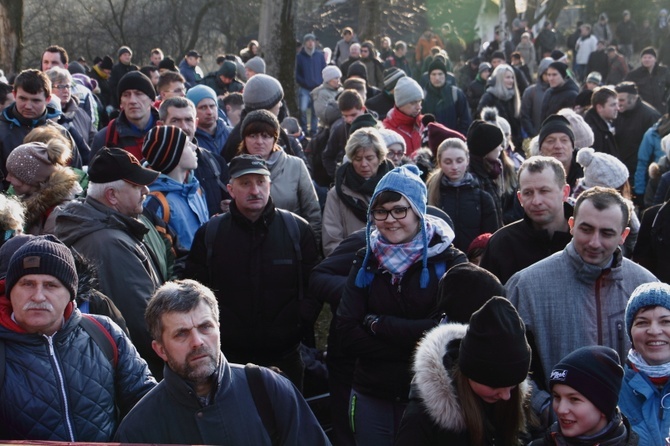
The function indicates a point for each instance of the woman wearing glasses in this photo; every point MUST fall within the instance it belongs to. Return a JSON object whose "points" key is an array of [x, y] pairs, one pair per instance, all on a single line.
{"points": [[389, 301], [72, 115]]}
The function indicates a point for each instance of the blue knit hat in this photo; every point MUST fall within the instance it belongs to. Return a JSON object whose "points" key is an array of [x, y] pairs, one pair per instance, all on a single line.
{"points": [[406, 181], [646, 295], [200, 92]]}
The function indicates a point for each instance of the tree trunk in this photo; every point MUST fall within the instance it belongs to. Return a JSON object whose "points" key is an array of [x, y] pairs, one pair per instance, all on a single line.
{"points": [[276, 36], [370, 13], [11, 30]]}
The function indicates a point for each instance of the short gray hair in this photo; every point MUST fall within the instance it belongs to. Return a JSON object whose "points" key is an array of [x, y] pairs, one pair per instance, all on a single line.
{"points": [[97, 190], [176, 102], [367, 137]]}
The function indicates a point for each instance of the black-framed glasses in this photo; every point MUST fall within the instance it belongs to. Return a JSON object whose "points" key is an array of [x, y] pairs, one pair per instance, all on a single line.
{"points": [[382, 214]]}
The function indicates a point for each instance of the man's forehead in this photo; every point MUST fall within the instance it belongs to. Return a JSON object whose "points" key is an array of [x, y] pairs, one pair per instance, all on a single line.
{"points": [[608, 217], [544, 177], [21, 92], [136, 92], [179, 113]]}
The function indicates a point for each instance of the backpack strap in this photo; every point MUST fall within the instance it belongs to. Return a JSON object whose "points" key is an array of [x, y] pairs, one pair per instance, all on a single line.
{"points": [[101, 337], [111, 136], [211, 230], [214, 164], [162, 201], [2, 363], [294, 232], [262, 400]]}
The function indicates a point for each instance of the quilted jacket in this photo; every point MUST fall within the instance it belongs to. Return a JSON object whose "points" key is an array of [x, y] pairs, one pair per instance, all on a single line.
{"points": [[63, 387]]}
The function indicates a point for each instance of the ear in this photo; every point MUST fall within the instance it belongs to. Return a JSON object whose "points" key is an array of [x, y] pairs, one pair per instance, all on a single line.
{"points": [[566, 192], [230, 190], [110, 196], [518, 197], [159, 349], [571, 223], [624, 234], [159, 122]]}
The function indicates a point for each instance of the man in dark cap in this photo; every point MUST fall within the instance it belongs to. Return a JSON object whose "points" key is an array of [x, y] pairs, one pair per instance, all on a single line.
{"points": [[120, 69], [101, 72], [652, 79], [189, 68], [445, 100], [224, 80]]}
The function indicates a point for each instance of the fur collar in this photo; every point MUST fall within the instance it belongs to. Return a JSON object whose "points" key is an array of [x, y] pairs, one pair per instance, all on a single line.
{"points": [[61, 186]]}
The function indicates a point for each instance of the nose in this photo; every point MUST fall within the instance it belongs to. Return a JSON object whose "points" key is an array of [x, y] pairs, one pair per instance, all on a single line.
{"points": [[594, 241], [38, 295], [145, 190], [505, 393], [196, 339], [654, 328]]}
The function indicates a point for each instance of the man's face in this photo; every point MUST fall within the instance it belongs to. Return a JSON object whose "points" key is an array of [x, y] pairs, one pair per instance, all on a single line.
{"points": [[334, 83], [438, 78], [29, 105], [541, 197], [192, 61], [234, 113], [554, 78], [411, 109], [596, 234], [38, 302], [156, 58], [183, 118], [584, 31], [190, 343], [125, 58], [350, 115], [626, 101], [50, 60], [189, 157], [173, 90], [309, 44], [559, 146], [135, 104], [154, 76], [207, 113], [610, 110], [129, 199], [347, 37], [648, 61], [400, 52], [496, 61], [365, 52], [250, 192], [355, 51]]}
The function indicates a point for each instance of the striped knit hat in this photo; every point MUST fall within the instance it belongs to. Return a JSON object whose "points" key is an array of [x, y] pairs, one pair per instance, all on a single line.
{"points": [[163, 146]]}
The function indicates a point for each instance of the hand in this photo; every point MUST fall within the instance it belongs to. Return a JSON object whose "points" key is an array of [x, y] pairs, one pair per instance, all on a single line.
{"points": [[370, 323]]}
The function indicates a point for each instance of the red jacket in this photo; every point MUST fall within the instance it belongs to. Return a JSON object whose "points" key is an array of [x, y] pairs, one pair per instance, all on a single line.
{"points": [[407, 127]]}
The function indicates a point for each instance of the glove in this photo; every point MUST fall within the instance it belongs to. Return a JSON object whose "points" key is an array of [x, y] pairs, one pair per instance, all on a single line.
{"points": [[370, 323]]}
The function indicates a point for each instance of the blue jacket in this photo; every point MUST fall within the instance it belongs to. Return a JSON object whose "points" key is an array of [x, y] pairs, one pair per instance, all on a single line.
{"points": [[214, 143], [642, 403], [650, 150], [308, 69], [189, 73], [188, 209]]}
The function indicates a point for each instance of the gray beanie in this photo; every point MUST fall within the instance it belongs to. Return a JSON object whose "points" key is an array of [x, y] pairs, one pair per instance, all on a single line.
{"points": [[256, 64], [262, 92], [331, 72], [601, 169], [407, 90]]}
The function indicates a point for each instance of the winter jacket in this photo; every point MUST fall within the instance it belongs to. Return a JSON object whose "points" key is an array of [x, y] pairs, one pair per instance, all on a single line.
{"points": [[375, 71], [190, 74], [528, 54], [652, 250], [254, 274], [406, 126], [398, 62], [474, 93], [187, 207], [518, 245], [338, 220], [531, 107], [505, 110], [603, 139], [216, 142], [172, 413], [440, 103], [599, 62], [63, 387], [334, 152], [653, 86], [585, 46], [380, 104], [126, 268], [126, 135], [649, 151], [618, 70], [292, 189], [61, 187], [405, 312], [559, 97], [308, 69], [213, 175], [632, 125], [426, 43], [546, 41], [602, 31], [617, 433], [641, 402], [567, 303], [80, 119], [213, 81], [321, 96], [341, 53], [434, 415]]}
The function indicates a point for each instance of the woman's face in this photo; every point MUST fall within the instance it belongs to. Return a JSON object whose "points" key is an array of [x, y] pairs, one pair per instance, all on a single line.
{"points": [[494, 154], [491, 394], [259, 144], [397, 230], [650, 334], [20, 187], [508, 79], [454, 163], [366, 162]]}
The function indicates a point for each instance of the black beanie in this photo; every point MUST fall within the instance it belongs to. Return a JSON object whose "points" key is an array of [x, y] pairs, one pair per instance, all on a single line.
{"points": [[358, 69], [561, 67], [43, 255], [163, 147], [593, 371], [483, 137], [464, 289], [437, 64], [648, 50], [363, 121], [136, 81], [494, 350], [556, 124], [498, 55]]}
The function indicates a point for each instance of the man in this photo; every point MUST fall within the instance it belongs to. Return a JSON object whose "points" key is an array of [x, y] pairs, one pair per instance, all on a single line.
{"points": [[625, 33], [557, 140], [105, 229], [373, 66], [156, 57], [249, 256], [101, 72], [58, 382], [343, 46], [233, 104], [224, 80], [531, 100], [601, 29], [600, 117], [398, 58], [170, 85], [562, 90], [652, 80], [383, 102], [634, 119], [617, 67], [445, 100], [120, 69], [32, 93], [187, 68], [354, 56], [578, 296], [135, 94], [405, 117], [254, 66], [543, 194], [585, 45], [546, 40], [212, 170], [204, 399], [309, 64], [598, 61], [212, 132]]}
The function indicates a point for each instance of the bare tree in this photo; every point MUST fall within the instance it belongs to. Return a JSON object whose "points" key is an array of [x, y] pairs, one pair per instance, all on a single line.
{"points": [[11, 30]]}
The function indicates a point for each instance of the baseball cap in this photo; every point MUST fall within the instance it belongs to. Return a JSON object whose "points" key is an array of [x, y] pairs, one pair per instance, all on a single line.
{"points": [[246, 164], [117, 164]]}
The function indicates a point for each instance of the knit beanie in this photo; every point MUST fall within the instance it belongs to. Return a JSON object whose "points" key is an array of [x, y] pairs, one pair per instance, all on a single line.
{"points": [[558, 55], [594, 77], [561, 67], [135, 80], [405, 180], [43, 255], [543, 65], [407, 90], [437, 64], [601, 169], [107, 63], [391, 77], [262, 116], [646, 295], [358, 69], [163, 146], [331, 72], [648, 50], [556, 124], [308, 36], [290, 125], [464, 289], [227, 69], [200, 92], [168, 64], [483, 137], [593, 371], [439, 132], [494, 350], [583, 99], [30, 163], [123, 50], [498, 55], [391, 137], [582, 132], [362, 121], [484, 66], [333, 113], [262, 92], [256, 64]]}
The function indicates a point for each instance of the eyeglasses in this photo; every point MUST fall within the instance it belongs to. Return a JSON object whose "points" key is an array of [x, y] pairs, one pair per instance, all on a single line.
{"points": [[382, 214], [63, 87]]}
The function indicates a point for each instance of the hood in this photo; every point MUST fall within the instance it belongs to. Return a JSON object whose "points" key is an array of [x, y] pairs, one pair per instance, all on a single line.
{"points": [[61, 186], [10, 115], [166, 184]]}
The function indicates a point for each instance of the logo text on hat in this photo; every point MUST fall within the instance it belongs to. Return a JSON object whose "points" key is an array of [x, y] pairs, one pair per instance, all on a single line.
{"points": [[558, 375], [31, 262]]}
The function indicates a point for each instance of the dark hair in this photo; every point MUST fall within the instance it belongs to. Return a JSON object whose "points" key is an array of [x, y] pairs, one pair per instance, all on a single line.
{"points": [[175, 102], [602, 198], [369, 45], [234, 98], [167, 77], [601, 95], [350, 99], [60, 50], [388, 196], [357, 84], [254, 128], [33, 81], [148, 69], [537, 164]]}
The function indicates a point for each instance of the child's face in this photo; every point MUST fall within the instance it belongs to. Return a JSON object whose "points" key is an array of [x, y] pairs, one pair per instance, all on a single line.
{"points": [[576, 415]]}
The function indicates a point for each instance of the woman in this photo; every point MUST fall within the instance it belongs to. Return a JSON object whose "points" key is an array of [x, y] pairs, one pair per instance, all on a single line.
{"points": [[355, 181], [504, 95], [644, 396], [73, 115], [250, 51], [389, 301], [456, 191], [469, 385], [292, 187]]}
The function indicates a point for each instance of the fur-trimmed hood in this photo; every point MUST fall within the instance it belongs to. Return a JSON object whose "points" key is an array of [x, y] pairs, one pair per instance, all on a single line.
{"points": [[61, 186]]}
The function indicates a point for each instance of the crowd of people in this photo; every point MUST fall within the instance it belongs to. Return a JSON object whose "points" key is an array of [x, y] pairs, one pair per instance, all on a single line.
{"points": [[488, 225]]}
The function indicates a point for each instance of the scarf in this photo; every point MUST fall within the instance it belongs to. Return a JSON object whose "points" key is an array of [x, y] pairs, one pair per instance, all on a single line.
{"points": [[467, 179], [347, 175], [505, 94], [652, 371]]}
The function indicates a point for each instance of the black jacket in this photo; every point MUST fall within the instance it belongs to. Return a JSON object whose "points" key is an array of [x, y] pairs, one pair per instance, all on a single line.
{"points": [[652, 250], [603, 139], [632, 125], [559, 97], [653, 87]]}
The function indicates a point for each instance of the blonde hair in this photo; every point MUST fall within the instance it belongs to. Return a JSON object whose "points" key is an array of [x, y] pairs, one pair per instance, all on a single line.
{"points": [[435, 178], [59, 148], [498, 89], [12, 213]]}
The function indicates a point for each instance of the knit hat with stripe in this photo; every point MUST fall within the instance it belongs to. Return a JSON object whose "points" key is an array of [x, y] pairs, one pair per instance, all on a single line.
{"points": [[163, 146]]}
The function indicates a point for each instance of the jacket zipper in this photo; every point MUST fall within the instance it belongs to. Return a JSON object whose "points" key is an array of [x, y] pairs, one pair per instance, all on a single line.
{"points": [[598, 315], [61, 384]]}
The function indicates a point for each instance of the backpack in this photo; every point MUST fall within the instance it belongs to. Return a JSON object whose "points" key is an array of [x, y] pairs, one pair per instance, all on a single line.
{"points": [[262, 401], [112, 140]]}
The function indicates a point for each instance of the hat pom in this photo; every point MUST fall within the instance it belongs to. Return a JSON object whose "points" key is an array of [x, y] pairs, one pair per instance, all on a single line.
{"points": [[585, 156]]}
